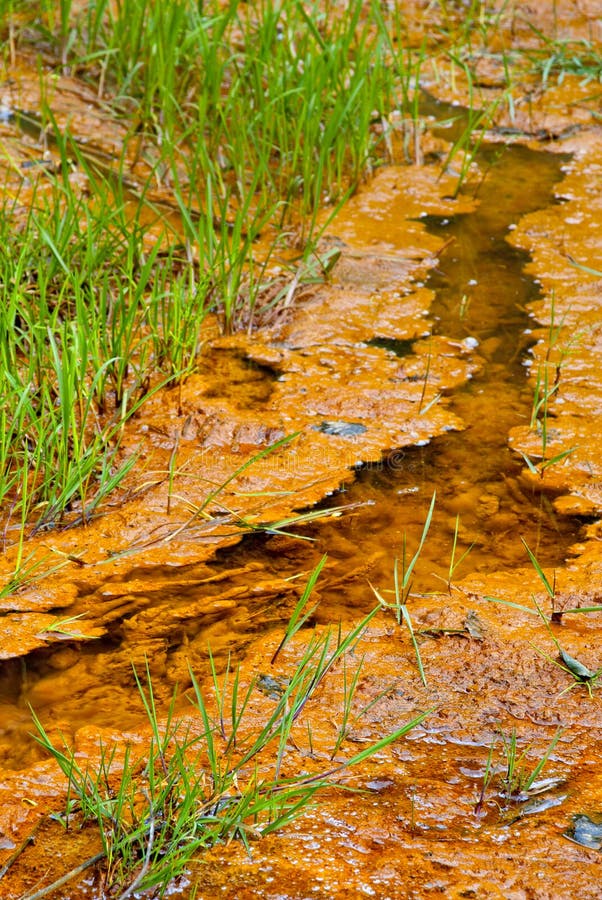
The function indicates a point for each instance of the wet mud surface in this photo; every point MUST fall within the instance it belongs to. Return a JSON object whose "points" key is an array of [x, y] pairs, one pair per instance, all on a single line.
{"points": [[413, 370]]}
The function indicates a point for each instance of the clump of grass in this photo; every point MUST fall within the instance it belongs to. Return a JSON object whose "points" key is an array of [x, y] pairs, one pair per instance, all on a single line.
{"points": [[508, 772], [284, 91], [546, 388], [28, 570], [580, 673], [190, 791], [403, 587], [558, 58], [74, 351], [518, 779], [558, 609], [543, 393]]}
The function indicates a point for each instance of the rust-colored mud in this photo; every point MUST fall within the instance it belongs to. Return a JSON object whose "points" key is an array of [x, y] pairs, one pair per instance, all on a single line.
{"points": [[413, 370]]}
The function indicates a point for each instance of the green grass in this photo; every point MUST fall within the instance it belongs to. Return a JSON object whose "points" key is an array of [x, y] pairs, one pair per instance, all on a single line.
{"points": [[244, 121], [29, 569], [558, 58], [510, 774], [466, 146], [403, 586], [188, 790], [517, 778], [558, 348], [238, 121], [540, 417], [74, 357], [579, 673], [282, 92]]}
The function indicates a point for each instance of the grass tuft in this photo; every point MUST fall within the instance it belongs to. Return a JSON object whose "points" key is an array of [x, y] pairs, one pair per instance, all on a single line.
{"points": [[191, 789]]}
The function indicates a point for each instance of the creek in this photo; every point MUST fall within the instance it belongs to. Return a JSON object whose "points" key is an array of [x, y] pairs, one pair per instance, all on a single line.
{"points": [[482, 292]]}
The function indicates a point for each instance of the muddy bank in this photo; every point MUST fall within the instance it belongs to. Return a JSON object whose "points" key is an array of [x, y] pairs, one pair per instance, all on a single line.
{"points": [[419, 830], [428, 820]]}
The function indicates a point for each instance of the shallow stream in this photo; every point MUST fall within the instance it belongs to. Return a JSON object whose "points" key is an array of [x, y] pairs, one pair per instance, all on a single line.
{"points": [[482, 293], [172, 613]]}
